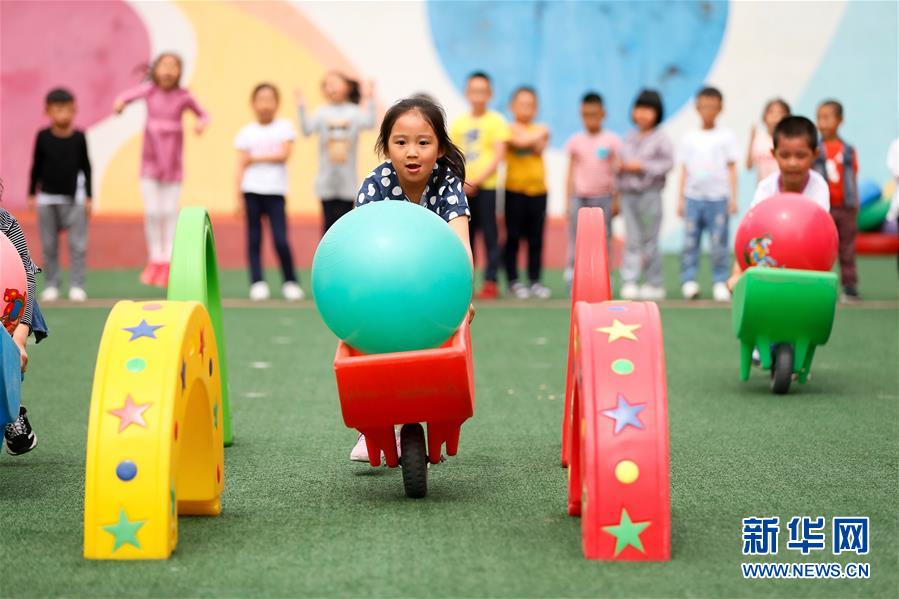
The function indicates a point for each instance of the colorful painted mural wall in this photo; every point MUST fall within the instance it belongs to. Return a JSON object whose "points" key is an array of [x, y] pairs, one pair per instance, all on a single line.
{"points": [[752, 51]]}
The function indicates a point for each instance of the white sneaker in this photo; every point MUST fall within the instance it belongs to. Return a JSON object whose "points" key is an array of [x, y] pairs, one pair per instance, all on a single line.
{"points": [[359, 452], [77, 294], [541, 291], [50, 294], [520, 291], [690, 290], [292, 291], [629, 291], [720, 292], [651, 293], [259, 291]]}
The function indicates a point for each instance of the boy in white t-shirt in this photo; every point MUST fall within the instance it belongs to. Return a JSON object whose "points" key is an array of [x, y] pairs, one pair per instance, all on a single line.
{"points": [[707, 195], [795, 149], [263, 148], [795, 144]]}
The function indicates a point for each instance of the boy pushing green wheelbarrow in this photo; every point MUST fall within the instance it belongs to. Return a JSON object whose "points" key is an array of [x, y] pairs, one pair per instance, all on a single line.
{"points": [[784, 304]]}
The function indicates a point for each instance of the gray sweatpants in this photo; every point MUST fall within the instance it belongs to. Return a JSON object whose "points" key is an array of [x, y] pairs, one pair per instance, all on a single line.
{"points": [[52, 220], [604, 202], [642, 221]]}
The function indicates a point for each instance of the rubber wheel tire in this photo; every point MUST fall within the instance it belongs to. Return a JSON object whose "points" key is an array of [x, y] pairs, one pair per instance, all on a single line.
{"points": [[414, 460], [782, 368]]}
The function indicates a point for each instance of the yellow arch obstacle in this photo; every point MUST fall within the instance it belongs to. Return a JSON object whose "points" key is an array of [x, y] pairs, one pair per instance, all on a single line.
{"points": [[155, 446], [159, 414]]}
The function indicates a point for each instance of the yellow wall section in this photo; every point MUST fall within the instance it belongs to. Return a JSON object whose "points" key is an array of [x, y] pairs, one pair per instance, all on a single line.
{"points": [[236, 51]]}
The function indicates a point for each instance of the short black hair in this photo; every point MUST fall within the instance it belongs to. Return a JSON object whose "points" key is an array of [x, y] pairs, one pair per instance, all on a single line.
{"points": [[479, 75], [269, 86], [710, 92], [650, 98], [837, 107], [592, 98], [59, 95], [524, 89], [796, 126]]}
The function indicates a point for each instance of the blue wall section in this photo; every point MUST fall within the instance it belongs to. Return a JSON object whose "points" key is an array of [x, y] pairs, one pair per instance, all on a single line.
{"points": [[567, 48], [861, 70]]}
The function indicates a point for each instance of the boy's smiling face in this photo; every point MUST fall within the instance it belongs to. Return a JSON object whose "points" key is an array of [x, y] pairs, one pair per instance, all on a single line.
{"points": [[794, 158]]}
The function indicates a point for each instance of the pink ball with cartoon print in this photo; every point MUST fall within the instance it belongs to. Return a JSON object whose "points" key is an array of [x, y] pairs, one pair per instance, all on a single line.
{"points": [[13, 284], [787, 230]]}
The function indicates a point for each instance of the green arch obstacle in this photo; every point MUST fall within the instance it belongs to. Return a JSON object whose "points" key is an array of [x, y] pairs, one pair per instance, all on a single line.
{"points": [[194, 277]]}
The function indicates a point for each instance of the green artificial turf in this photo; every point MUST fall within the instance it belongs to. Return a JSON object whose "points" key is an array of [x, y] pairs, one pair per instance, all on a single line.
{"points": [[877, 281], [300, 520]]}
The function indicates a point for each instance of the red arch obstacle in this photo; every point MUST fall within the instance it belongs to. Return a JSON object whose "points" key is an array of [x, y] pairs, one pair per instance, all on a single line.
{"points": [[616, 425]]}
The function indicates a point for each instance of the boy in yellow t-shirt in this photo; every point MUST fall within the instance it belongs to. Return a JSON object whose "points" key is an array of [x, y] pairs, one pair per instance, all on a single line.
{"points": [[482, 136], [525, 193]]}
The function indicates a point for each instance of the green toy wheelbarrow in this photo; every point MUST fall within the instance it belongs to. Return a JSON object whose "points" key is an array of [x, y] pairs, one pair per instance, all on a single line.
{"points": [[786, 314]]}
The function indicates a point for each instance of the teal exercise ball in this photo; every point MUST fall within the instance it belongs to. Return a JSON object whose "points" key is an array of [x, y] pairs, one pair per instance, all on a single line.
{"points": [[391, 276]]}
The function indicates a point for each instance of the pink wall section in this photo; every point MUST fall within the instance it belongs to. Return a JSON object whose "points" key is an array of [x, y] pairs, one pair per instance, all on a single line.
{"points": [[91, 48]]}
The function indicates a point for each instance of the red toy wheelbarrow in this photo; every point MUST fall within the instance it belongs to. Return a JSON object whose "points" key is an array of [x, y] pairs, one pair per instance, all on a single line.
{"points": [[433, 386]]}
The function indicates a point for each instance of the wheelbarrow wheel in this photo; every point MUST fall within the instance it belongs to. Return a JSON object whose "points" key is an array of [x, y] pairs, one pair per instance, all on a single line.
{"points": [[782, 368], [414, 460]]}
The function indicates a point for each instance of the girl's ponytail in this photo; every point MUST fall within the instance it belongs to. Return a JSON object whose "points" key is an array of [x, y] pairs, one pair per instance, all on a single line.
{"points": [[354, 94]]}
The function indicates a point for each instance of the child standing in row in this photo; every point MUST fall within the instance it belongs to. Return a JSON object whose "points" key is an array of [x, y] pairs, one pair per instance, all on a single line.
{"points": [[592, 154], [424, 167], [263, 148], [161, 158], [61, 178], [837, 162], [759, 155], [338, 125], [525, 194], [482, 135], [707, 195], [646, 157]]}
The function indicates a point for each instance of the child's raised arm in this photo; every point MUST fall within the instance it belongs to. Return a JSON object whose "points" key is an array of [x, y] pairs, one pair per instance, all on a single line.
{"points": [[308, 125], [367, 114], [131, 94]]}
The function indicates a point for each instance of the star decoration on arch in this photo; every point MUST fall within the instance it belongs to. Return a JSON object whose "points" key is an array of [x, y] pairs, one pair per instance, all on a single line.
{"points": [[143, 329], [619, 330]]}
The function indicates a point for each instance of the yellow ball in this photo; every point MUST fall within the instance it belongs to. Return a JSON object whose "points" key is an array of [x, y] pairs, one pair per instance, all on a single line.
{"points": [[626, 472]]}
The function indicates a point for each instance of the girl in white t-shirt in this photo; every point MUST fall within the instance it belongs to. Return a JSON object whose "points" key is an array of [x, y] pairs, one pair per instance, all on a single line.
{"points": [[761, 143], [263, 148]]}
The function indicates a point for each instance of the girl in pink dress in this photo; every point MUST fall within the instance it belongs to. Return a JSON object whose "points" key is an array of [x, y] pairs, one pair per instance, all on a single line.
{"points": [[761, 143], [161, 169]]}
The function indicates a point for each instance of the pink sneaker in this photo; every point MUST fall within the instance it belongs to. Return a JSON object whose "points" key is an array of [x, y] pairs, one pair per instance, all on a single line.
{"points": [[162, 276], [148, 276]]}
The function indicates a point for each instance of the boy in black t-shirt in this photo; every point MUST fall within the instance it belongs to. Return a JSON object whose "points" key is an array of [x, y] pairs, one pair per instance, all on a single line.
{"points": [[61, 178]]}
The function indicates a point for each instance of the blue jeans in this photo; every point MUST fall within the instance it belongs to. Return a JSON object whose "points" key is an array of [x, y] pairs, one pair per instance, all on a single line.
{"points": [[711, 216], [38, 324]]}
